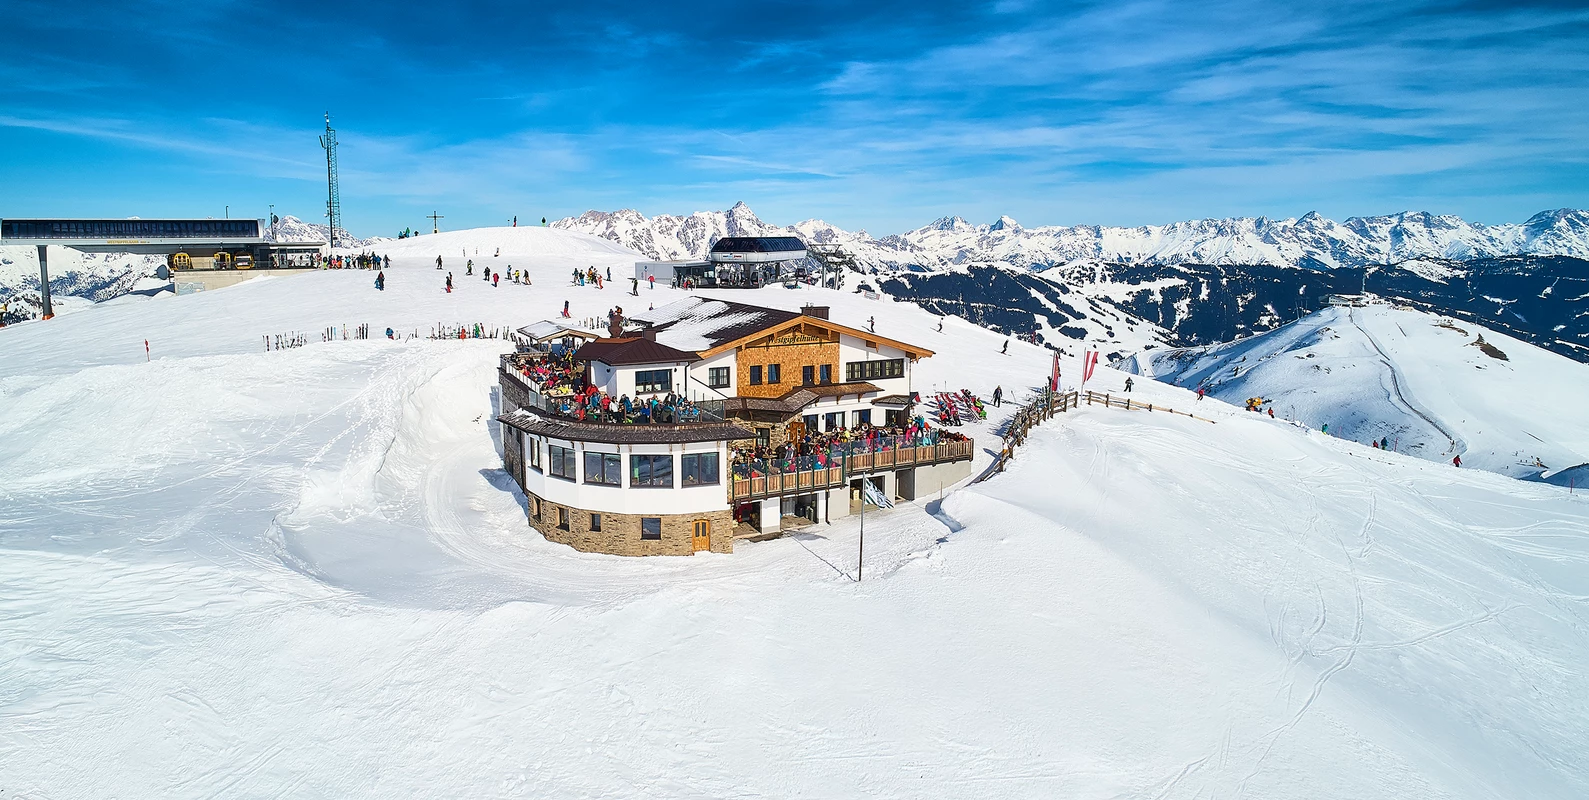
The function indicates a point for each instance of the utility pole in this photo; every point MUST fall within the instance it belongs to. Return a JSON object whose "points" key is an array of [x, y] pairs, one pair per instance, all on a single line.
{"points": [[860, 552], [44, 282], [333, 193], [228, 214], [273, 222], [433, 217]]}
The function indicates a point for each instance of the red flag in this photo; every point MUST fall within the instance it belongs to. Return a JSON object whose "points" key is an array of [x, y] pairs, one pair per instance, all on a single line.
{"points": [[1089, 361], [1054, 380]]}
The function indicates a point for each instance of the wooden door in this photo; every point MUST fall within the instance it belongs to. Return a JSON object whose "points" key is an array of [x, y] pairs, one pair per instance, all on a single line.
{"points": [[702, 538], [797, 431]]}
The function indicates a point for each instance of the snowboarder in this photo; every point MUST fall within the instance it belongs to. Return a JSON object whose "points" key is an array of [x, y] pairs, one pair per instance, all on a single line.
{"points": [[1271, 412], [1456, 461], [1384, 443], [998, 396], [390, 334], [438, 262], [468, 267], [380, 281], [1128, 384], [388, 260], [1326, 429]]}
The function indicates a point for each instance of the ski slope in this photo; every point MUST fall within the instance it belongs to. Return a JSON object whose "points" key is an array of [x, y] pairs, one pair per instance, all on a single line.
{"points": [[232, 572], [1422, 381]]}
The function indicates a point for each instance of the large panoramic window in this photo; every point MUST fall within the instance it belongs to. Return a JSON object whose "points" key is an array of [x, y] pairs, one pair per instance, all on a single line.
{"points": [[560, 462], [651, 471], [874, 370], [653, 381], [698, 469], [604, 468], [717, 377]]}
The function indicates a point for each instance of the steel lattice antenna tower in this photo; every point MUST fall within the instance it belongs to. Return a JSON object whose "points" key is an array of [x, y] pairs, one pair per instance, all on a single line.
{"points": [[333, 193]]}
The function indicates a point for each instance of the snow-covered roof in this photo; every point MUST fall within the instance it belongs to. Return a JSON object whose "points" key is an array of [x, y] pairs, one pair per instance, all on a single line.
{"points": [[547, 330], [699, 323]]}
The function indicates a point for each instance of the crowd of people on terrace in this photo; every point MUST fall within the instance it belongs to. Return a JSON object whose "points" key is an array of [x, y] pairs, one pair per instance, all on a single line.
{"points": [[816, 450], [562, 382]]}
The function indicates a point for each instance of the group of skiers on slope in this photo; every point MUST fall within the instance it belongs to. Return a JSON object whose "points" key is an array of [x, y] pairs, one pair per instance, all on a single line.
{"points": [[591, 276]]}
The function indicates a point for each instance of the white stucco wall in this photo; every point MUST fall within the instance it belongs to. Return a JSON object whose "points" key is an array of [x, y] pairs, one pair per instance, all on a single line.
{"points": [[642, 500], [852, 348], [699, 377]]}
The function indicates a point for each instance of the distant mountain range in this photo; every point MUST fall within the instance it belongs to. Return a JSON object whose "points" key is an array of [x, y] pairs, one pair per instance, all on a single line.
{"points": [[1186, 283], [1415, 240], [292, 229]]}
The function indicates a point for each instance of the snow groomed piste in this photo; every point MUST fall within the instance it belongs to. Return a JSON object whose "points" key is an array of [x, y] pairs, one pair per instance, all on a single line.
{"points": [[237, 572]]}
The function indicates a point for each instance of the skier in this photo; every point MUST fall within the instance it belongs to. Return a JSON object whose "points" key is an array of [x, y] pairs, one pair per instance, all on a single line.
{"points": [[1326, 429], [449, 283], [1271, 412], [565, 308], [380, 281], [1006, 349], [388, 260], [390, 334], [438, 262], [1200, 392], [653, 280], [543, 222], [940, 326], [497, 253], [1128, 384], [998, 396], [515, 220], [1456, 461], [1384, 443], [609, 273], [468, 267], [495, 276], [634, 286], [871, 324]]}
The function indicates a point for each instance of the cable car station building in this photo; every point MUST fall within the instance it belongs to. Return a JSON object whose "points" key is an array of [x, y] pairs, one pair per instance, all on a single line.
{"points": [[633, 444], [197, 244]]}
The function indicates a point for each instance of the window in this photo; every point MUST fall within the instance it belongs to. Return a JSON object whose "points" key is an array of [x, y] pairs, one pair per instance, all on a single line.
{"points": [[833, 421], [698, 469], [827, 374], [874, 370], [561, 462], [532, 452], [650, 527], [562, 517], [603, 468], [535, 505], [651, 471], [755, 376], [863, 417], [774, 373], [595, 523], [717, 377], [653, 381], [808, 375], [811, 421]]}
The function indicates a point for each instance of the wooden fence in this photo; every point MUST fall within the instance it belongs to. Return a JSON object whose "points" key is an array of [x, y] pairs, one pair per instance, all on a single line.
{"points": [[1048, 404]]}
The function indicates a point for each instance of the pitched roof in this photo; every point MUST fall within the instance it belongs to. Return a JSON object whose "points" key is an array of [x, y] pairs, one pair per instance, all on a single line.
{"points": [[530, 422], [547, 329], [709, 326], [632, 350], [701, 323]]}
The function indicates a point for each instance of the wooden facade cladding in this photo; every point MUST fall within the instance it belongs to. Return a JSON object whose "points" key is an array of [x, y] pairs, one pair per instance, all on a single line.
{"points": [[791, 350]]}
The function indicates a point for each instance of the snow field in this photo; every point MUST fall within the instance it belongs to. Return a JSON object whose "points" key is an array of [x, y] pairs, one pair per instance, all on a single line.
{"points": [[303, 573]]}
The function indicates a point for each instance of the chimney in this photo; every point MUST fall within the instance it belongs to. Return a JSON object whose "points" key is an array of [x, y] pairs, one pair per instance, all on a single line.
{"points": [[820, 312], [649, 334]]}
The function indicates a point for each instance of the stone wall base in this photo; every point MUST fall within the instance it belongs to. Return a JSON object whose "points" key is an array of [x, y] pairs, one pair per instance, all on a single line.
{"points": [[620, 533]]}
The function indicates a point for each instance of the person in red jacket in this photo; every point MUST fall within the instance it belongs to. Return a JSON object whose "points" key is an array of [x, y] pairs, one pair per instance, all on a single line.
{"points": [[1456, 461]]}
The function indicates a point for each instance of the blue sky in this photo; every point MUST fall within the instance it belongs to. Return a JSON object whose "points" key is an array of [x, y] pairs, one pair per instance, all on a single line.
{"points": [[883, 116]]}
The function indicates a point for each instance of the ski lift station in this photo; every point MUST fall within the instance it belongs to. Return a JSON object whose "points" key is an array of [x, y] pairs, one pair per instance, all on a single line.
{"points": [[734, 262], [187, 244]]}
